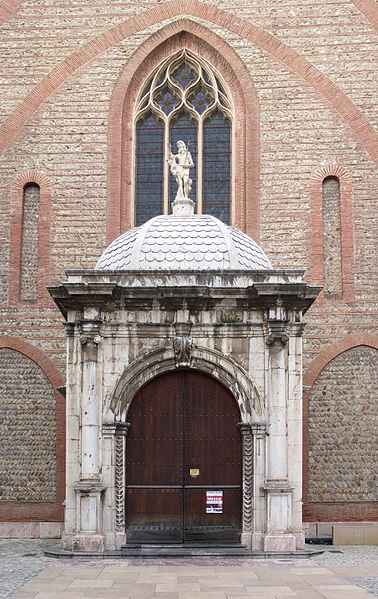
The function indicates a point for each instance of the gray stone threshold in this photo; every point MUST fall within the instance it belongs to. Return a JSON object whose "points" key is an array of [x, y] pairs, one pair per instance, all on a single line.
{"points": [[158, 552]]}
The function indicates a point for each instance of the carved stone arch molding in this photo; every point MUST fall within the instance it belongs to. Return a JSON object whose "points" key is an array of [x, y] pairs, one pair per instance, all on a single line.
{"points": [[178, 35], [209, 361]]}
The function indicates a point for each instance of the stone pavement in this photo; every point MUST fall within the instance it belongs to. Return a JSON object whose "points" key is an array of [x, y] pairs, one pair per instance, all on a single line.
{"points": [[339, 573]]}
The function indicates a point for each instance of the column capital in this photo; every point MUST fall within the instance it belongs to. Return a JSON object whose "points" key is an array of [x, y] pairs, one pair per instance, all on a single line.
{"points": [[276, 332], [296, 329], [245, 428], [70, 328], [122, 429], [90, 338], [277, 487], [259, 429], [89, 486], [112, 429]]}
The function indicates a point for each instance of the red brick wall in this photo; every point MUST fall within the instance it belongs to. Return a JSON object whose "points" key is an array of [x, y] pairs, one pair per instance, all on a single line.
{"points": [[304, 76]]}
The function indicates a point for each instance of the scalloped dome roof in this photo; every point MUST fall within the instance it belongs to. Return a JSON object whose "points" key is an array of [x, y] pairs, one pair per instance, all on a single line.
{"points": [[183, 243]]}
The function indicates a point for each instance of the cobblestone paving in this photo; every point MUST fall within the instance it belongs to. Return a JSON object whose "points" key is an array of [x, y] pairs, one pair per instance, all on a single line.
{"points": [[338, 559], [22, 560]]}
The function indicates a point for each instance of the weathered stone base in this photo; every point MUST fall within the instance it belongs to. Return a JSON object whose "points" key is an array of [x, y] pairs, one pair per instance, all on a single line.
{"points": [[83, 542], [284, 542], [300, 539], [114, 541], [246, 539], [31, 530]]}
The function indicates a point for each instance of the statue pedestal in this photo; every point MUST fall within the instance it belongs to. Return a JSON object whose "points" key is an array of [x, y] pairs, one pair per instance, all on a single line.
{"points": [[184, 207]]}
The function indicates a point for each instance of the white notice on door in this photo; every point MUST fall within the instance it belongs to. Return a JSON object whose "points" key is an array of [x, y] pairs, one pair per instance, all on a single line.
{"points": [[214, 502]]}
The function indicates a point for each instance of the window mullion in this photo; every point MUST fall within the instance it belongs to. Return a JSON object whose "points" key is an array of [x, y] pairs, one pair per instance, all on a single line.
{"points": [[199, 165], [166, 168]]}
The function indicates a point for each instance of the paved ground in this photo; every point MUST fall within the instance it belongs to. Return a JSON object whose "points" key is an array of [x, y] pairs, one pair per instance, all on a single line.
{"points": [[340, 573]]}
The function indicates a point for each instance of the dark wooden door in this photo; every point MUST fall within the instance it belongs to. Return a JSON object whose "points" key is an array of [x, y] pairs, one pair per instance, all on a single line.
{"points": [[183, 450]]}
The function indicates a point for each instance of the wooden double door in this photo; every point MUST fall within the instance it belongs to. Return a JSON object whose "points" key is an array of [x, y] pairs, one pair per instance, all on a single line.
{"points": [[184, 463]]}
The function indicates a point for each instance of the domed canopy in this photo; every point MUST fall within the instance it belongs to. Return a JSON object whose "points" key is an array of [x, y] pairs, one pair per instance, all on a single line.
{"points": [[175, 243]]}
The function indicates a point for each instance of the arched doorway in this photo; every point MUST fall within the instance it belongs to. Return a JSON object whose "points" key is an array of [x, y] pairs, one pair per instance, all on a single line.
{"points": [[184, 462]]}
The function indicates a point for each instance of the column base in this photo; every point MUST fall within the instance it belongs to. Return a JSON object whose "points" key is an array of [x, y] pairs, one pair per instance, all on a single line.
{"points": [[83, 542], [246, 539], [300, 539], [277, 542]]}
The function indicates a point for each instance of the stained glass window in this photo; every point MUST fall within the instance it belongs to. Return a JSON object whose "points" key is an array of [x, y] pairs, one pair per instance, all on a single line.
{"points": [[149, 172], [183, 100], [217, 166]]}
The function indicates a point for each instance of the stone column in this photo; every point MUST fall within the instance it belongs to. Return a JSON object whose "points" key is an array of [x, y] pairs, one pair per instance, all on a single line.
{"points": [[278, 535], [72, 432], [114, 476], [247, 491], [295, 426], [89, 489]]}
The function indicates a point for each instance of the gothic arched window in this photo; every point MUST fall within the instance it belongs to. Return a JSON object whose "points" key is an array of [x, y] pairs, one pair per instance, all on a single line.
{"points": [[184, 99]]}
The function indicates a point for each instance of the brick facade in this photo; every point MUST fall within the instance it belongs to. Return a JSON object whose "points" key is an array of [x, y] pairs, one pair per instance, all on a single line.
{"points": [[304, 86]]}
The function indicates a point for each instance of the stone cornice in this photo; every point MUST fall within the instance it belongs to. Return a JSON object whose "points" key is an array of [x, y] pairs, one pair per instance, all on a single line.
{"points": [[197, 290]]}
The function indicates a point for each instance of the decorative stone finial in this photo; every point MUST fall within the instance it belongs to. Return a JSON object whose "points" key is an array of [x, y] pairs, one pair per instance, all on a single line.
{"points": [[180, 165]]}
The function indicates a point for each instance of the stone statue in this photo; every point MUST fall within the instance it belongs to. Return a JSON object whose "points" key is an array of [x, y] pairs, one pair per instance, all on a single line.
{"points": [[180, 165]]}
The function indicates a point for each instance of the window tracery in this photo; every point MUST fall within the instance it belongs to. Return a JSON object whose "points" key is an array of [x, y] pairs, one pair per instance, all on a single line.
{"points": [[183, 99]]}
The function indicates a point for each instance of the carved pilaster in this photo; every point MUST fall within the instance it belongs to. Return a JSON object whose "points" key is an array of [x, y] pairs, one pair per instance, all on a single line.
{"points": [[120, 475], [247, 449]]}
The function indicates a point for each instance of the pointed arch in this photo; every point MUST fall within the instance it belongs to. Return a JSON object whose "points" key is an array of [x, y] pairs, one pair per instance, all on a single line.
{"points": [[369, 9], [209, 361], [293, 61], [333, 350], [184, 34], [7, 9]]}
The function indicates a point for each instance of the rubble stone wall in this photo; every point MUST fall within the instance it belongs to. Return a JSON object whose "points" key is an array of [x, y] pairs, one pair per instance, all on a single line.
{"points": [[27, 431], [342, 429]]}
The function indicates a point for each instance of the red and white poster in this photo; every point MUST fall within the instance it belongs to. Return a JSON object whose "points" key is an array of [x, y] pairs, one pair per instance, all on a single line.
{"points": [[214, 502]]}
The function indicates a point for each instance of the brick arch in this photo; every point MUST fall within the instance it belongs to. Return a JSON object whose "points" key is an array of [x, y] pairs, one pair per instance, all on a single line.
{"points": [[331, 511], [25, 511], [333, 350], [316, 241], [158, 47], [17, 194], [325, 87], [368, 8], [39, 357], [8, 8]]}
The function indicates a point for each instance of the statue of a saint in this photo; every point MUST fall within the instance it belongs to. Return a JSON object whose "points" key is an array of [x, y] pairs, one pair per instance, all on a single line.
{"points": [[180, 165]]}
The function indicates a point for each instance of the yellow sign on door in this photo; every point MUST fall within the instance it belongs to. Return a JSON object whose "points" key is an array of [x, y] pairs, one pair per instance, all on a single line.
{"points": [[194, 472]]}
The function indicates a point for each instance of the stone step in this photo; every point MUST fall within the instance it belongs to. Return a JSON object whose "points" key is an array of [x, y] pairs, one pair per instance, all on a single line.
{"points": [[178, 550]]}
